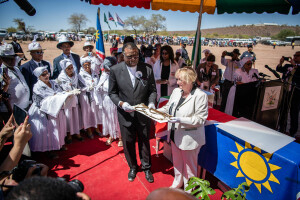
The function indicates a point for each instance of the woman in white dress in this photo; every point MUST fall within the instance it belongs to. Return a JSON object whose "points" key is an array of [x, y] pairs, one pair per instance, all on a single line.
{"points": [[68, 81], [110, 123], [96, 60], [48, 132], [91, 112], [245, 74]]}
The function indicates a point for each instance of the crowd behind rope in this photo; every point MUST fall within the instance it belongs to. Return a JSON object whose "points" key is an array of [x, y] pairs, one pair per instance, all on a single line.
{"points": [[70, 98]]}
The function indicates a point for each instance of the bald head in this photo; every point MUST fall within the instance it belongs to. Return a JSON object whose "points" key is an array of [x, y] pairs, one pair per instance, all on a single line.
{"points": [[169, 193]]}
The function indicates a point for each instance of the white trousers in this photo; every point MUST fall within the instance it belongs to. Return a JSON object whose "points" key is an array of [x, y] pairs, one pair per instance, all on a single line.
{"points": [[185, 165]]}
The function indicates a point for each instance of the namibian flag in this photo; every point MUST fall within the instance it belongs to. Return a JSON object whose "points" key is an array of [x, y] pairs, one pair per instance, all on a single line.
{"points": [[99, 38]]}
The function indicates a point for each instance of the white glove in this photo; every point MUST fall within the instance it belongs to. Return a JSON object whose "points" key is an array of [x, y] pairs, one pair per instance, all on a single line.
{"points": [[174, 120], [151, 106], [127, 107]]}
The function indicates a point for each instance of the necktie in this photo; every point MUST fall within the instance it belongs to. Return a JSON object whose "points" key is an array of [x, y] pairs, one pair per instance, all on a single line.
{"points": [[40, 64]]}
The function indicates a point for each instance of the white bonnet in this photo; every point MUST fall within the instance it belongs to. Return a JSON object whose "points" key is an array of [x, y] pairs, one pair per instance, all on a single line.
{"points": [[244, 60], [65, 63], [84, 60], [39, 70]]}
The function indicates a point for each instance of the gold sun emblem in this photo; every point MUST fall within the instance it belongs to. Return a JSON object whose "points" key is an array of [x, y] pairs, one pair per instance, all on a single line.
{"points": [[254, 166], [97, 35]]}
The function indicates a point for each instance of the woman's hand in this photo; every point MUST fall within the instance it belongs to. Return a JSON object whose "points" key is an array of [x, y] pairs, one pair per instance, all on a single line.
{"points": [[7, 130], [23, 134]]}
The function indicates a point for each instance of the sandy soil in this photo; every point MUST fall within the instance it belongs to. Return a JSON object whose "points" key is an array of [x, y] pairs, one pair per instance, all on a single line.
{"points": [[265, 55]]}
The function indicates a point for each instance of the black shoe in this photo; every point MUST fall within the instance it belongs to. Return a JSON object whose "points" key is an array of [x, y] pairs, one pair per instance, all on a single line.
{"points": [[132, 174], [149, 176]]}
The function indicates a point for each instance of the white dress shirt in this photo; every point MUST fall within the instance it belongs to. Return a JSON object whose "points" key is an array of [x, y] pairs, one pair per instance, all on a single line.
{"points": [[132, 71], [231, 66]]}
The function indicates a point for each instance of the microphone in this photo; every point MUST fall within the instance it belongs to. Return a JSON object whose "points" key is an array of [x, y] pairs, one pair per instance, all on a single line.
{"points": [[273, 71], [26, 6], [255, 75], [264, 75]]}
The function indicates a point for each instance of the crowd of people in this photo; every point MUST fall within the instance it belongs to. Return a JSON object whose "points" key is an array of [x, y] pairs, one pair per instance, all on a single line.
{"points": [[89, 95]]}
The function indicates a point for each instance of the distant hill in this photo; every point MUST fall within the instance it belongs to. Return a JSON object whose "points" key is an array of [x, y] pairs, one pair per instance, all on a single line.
{"points": [[249, 30]]}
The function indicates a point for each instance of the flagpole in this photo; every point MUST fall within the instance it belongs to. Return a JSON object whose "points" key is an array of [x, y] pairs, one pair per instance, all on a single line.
{"points": [[198, 35]]}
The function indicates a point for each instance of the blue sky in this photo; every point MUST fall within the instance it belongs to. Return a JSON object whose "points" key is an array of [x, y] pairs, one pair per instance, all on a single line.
{"points": [[52, 15]]}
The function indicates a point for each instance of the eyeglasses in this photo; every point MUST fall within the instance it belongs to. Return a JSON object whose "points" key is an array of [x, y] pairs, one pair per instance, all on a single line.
{"points": [[45, 74], [39, 52], [131, 57]]}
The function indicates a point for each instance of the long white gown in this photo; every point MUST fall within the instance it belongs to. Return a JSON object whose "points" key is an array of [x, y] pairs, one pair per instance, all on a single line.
{"points": [[91, 112], [72, 110], [241, 76], [48, 132], [110, 121]]}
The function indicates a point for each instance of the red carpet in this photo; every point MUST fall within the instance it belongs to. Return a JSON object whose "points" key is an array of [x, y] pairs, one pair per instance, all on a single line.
{"points": [[103, 170]]}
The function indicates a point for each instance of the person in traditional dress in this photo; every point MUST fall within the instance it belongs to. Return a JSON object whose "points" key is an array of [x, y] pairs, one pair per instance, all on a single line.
{"points": [[96, 60], [164, 72], [206, 54], [46, 116], [18, 88], [245, 74], [89, 100], [68, 81], [110, 123]]}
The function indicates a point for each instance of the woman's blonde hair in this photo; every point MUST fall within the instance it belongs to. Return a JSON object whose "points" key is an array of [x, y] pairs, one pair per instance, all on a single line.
{"points": [[187, 74]]}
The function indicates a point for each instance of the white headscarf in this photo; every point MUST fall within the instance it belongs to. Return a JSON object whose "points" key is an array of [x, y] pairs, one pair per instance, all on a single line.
{"points": [[39, 70], [244, 60], [65, 63], [84, 60]]}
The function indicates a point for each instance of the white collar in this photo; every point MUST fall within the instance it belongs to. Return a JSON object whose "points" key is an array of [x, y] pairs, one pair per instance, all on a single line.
{"points": [[37, 63], [132, 69]]}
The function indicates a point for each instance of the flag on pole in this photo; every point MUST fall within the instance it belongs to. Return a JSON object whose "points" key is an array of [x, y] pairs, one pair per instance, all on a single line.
{"points": [[105, 20], [99, 38], [110, 18], [194, 50], [120, 22]]}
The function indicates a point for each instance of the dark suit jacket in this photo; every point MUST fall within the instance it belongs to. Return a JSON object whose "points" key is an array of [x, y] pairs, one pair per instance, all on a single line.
{"points": [[27, 71], [57, 68], [285, 73], [121, 89], [17, 47]]}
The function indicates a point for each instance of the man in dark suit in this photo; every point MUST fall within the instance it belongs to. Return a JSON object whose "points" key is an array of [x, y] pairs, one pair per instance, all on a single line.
{"points": [[65, 45], [132, 83], [27, 69], [18, 49]]}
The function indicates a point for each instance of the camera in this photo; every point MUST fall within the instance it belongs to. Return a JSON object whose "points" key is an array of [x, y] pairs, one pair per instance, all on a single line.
{"points": [[19, 172], [286, 58], [229, 53], [76, 184]]}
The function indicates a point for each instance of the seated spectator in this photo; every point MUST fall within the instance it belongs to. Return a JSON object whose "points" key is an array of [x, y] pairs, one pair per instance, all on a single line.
{"points": [[89, 100], [45, 188], [48, 131], [68, 81], [208, 74], [206, 54], [110, 120], [241, 76], [96, 60], [179, 59]]}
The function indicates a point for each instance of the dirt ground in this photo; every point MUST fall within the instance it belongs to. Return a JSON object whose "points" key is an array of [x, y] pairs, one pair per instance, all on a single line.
{"points": [[265, 55]]}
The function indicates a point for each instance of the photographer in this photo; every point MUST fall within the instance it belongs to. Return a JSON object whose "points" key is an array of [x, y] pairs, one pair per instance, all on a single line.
{"points": [[231, 65], [291, 74]]}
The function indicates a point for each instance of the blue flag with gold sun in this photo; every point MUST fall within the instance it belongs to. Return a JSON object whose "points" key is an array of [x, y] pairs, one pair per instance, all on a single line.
{"points": [[99, 38], [234, 161]]}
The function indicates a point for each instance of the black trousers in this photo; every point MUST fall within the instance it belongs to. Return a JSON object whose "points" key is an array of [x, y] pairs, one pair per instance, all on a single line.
{"points": [[129, 134], [294, 111], [225, 90]]}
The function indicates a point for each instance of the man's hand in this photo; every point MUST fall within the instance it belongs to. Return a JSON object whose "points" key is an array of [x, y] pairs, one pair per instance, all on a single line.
{"points": [[224, 53], [174, 120], [151, 106], [83, 196], [23, 134], [127, 107], [281, 60]]}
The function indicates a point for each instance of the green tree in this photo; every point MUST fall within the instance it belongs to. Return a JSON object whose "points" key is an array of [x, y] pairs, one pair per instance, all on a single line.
{"points": [[135, 22], [91, 30], [285, 33], [157, 22], [21, 24], [11, 29], [77, 21]]}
